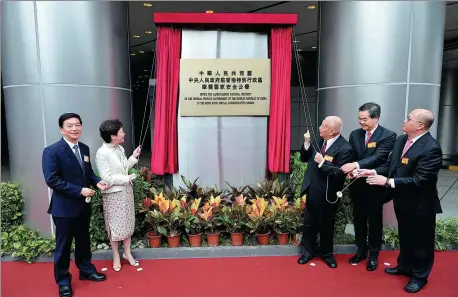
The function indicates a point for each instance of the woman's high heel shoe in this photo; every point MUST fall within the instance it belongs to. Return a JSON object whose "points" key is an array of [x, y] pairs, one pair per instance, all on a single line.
{"points": [[117, 268], [135, 261]]}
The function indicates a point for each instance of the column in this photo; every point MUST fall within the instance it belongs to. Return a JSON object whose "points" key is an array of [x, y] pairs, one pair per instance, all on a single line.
{"points": [[381, 51], [61, 57], [448, 116]]}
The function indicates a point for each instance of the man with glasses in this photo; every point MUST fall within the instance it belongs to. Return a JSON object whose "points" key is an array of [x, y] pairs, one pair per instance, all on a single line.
{"points": [[372, 144], [410, 176], [68, 172]]}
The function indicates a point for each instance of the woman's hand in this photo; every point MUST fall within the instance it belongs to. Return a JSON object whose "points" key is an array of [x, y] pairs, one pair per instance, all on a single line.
{"points": [[137, 151]]}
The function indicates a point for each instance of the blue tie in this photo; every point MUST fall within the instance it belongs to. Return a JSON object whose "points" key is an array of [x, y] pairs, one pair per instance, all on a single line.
{"points": [[78, 155]]}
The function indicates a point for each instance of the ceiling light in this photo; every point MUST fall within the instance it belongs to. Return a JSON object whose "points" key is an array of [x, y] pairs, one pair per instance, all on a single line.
{"points": [[311, 7], [141, 52], [136, 36], [147, 4], [146, 70], [209, 11], [148, 32], [313, 47], [132, 54]]}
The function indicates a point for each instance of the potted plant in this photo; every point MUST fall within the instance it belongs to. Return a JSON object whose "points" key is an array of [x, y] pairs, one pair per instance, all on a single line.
{"points": [[282, 218], [259, 221], [192, 224], [154, 237], [172, 214], [234, 218], [297, 222], [210, 220]]}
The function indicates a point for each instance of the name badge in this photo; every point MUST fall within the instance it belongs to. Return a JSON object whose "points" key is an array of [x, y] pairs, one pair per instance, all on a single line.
{"points": [[86, 159], [371, 145], [405, 161], [328, 158]]}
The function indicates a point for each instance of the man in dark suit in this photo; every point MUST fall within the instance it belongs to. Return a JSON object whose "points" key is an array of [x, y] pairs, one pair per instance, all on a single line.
{"points": [[322, 180], [410, 175], [68, 172], [372, 144]]}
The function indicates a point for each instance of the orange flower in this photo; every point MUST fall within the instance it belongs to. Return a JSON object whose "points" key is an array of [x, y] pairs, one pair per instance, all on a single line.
{"points": [[206, 213], [280, 203], [158, 198], [240, 200], [164, 205]]}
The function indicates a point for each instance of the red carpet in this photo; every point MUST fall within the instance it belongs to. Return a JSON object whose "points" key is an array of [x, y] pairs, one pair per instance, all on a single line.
{"points": [[234, 277]]}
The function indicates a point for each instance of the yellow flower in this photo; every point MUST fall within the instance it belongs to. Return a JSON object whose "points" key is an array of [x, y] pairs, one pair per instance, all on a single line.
{"points": [[195, 206], [214, 202]]}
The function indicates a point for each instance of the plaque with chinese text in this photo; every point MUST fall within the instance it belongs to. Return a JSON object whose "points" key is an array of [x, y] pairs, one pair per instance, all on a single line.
{"points": [[224, 87]]}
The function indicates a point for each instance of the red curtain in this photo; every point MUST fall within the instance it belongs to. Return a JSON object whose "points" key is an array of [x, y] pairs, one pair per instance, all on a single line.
{"points": [[280, 102], [165, 144]]}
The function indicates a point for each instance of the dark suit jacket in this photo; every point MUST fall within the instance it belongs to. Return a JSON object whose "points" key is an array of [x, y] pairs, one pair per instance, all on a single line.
{"points": [[415, 175], [370, 156], [64, 175], [315, 179]]}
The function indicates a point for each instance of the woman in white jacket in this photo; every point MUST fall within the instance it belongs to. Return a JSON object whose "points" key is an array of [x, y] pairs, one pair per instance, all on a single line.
{"points": [[118, 200]]}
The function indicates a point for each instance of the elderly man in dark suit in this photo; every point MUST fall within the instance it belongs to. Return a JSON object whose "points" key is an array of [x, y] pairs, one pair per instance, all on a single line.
{"points": [[322, 180], [372, 144], [68, 172], [410, 175]]}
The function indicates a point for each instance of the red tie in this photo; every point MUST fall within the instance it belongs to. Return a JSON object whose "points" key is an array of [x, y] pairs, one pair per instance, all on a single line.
{"points": [[406, 147], [369, 134], [323, 148]]}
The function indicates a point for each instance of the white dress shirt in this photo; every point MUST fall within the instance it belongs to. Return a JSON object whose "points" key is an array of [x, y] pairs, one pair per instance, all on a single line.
{"points": [[71, 146], [391, 180], [329, 142], [365, 139]]}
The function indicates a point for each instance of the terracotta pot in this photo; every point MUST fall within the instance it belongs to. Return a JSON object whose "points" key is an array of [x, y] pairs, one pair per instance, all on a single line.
{"points": [[154, 240], [213, 239], [263, 239], [282, 238], [237, 239], [174, 241], [195, 240]]}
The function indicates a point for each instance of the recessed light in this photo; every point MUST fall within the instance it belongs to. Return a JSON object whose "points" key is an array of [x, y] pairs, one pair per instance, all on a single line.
{"points": [[132, 54], [148, 32], [146, 70], [147, 4], [209, 11], [313, 46], [311, 7], [136, 36], [141, 52], [296, 41]]}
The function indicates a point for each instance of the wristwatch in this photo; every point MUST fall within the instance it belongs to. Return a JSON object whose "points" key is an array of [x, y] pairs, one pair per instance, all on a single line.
{"points": [[387, 183]]}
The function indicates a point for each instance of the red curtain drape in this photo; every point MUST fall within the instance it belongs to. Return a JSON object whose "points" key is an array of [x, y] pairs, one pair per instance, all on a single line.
{"points": [[280, 102], [165, 143]]}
